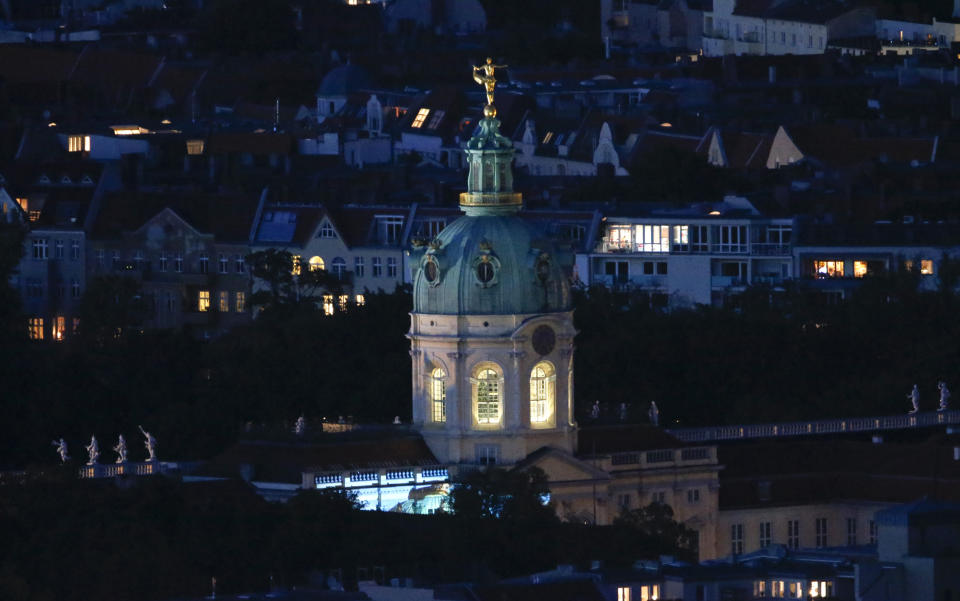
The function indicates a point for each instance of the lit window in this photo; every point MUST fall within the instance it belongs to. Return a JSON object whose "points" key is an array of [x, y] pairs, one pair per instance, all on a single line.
{"points": [[488, 396], [438, 395], [35, 328], [295, 264], [203, 300], [859, 269], [328, 304], [623, 593], [224, 301], [342, 301], [420, 118], [926, 267], [653, 238], [542, 392], [59, 326], [548, 137], [828, 269], [316, 264], [241, 302], [620, 237], [360, 300], [194, 147], [736, 539], [358, 266], [650, 592], [78, 144]]}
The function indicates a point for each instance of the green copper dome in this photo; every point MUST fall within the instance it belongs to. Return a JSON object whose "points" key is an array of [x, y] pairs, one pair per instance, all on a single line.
{"points": [[489, 265]]}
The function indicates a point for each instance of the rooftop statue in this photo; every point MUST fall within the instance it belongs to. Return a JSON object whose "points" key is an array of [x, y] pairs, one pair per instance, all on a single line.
{"points": [[300, 426], [121, 449], [151, 443], [484, 75], [61, 450], [914, 396], [93, 451]]}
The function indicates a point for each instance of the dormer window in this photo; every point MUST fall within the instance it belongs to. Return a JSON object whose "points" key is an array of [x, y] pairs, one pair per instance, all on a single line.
{"points": [[86, 180], [78, 144], [66, 180], [435, 120], [548, 137], [420, 118], [194, 147]]}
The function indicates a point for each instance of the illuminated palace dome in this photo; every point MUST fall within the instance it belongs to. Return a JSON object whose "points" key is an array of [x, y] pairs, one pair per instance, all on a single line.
{"points": [[492, 324]]}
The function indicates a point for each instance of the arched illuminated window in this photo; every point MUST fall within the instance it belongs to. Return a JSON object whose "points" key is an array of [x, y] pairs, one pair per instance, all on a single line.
{"points": [[487, 394], [438, 395], [542, 393], [316, 263]]}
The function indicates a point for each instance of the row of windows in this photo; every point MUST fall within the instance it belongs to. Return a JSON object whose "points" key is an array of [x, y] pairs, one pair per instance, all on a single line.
{"points": [[838, 268], [170, 261], [58, 327], [792, 589], [35, 288], [488, 394], [339, 266], [41, 249], [223, 301], [793, 534], [691, 238]]}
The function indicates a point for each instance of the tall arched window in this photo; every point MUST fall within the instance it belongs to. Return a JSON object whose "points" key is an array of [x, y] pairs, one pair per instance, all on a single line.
{"points": [[438, 396], [339, 267], [316, 263], [542, 393], [488, 395]]}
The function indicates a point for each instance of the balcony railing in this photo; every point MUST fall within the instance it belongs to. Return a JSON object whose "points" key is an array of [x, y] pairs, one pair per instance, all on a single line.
{"points": [[828, 426], [770, 249]]}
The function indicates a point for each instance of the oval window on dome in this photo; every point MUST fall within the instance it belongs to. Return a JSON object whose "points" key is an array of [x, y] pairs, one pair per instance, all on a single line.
{"points": [[485, 272], [431, 271]]}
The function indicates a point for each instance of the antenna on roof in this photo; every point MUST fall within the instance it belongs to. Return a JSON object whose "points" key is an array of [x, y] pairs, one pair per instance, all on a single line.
{"points": [[276, 116]]}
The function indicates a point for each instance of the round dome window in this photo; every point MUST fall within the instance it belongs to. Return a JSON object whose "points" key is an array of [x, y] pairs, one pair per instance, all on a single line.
{"points": [[485, 272], [431, 271]]}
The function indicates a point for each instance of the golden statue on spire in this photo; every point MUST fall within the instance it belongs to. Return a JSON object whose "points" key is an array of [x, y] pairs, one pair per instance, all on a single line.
{"points": [[483, 75]]}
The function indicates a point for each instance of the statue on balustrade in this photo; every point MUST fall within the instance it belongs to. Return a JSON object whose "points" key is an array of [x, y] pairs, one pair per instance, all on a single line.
{"points": [[151, 443], [61, 450], [93, 451], [914, 396], [944, 396], [121, 449]]}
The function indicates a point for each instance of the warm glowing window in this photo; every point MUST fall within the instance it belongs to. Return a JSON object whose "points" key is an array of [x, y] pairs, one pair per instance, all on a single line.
{"points": [[342, 301], [35, 328], [488, 396], [203, 300], [623, 593], [548, 137], [926, 267], [438, 395], [420, 118], [653, 238], [59, 327], [194, 147], [359, 300], [328, 304], [620, 237], [240, 302], [295, 264], [828, 269], [542, 382], [78, 144], [224, 301], [650, 592], [316, 264], [859, 269]]}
